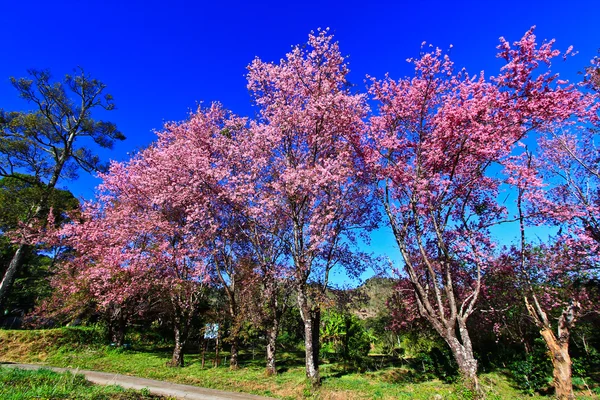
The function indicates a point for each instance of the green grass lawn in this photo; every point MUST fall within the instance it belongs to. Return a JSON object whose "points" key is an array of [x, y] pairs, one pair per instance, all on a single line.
{"points": [[80, 348], [18, 384]]}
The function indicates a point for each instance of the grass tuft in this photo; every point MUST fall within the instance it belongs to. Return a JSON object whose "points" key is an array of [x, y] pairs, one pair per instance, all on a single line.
{"points": [[19, 384]]}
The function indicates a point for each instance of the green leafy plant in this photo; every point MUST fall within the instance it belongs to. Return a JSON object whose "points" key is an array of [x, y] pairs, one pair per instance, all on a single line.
{"points": [[533, 372], [344, 337]]}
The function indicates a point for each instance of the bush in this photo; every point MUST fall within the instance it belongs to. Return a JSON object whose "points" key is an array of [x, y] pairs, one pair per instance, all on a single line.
{"points": [[437, 363], [80, 335], [386, 340], [344, 336], [533, 373]]}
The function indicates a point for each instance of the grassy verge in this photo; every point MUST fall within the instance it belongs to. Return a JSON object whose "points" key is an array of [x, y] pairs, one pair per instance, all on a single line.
{"points": [[79, 348], [18, 384]]}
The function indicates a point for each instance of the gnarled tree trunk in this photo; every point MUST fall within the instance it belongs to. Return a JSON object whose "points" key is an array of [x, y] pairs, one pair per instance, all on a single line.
{"points": [[558, 345], [467, 364], [460, 344], [561, 364], [177, 359]]}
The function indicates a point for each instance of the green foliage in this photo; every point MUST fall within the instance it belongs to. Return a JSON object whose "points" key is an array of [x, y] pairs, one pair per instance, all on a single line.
{"points": [[21, 194], [292, 330], [344, 336], [370, 299], [338, 382], [585, 350], [415, 342], [20, 197], [438, 362], [587, 366], [83, 336], [31, 284], [18, 384], [464, 393], [533, 372], [386, 341], [428, 355], [43, 142]]}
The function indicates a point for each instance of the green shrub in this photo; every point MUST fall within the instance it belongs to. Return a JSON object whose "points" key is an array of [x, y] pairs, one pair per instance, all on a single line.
{"points": [[88, 336], [533, 373], [436, 363], [587, 365], [344, 337]]}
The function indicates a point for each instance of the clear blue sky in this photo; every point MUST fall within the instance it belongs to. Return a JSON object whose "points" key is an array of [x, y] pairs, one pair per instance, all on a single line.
{"points": [[160, 58]]}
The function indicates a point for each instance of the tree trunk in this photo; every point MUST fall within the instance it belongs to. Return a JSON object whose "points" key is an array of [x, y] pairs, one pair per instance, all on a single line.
{"points": [[177, 359], [316, 332], [310, 346], [561, 363], [118, 337], [11, 272], [233, 358], [467, 363], [116, 328], [204, 346], [234, 332], [271, 348], [118, 334], [312, 363], [217, 361]]}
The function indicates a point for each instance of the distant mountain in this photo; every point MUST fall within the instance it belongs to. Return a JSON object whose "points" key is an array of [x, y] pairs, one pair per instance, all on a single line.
{"points": [[371, 297]]}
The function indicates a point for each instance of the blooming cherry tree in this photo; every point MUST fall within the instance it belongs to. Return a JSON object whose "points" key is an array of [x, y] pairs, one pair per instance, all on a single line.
{"points": [[559, 186], [303, 142], [433, 145], [155, 213]]}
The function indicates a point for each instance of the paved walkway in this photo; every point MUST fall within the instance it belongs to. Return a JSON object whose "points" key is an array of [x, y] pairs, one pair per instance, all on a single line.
{"points": [[154, 386]]}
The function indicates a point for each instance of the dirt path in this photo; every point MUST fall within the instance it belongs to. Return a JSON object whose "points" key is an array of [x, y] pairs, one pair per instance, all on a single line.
{"points": [[154, 386]]}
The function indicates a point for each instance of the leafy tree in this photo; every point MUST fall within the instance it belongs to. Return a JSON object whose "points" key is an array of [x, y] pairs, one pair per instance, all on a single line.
{"points": [[344, 334], [47, 142], [19, 198], [20, 195]]}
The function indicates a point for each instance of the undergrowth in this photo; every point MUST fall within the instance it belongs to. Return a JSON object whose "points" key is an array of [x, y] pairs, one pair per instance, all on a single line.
{"points": [[378, 378]]}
